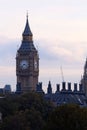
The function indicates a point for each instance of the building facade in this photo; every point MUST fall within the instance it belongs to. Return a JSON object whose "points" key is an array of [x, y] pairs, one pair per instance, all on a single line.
{"points": [[27, 62]]}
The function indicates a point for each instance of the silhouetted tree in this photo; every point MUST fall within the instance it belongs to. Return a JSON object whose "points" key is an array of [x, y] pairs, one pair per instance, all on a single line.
{"points": [[68, 117], [24, 112]]}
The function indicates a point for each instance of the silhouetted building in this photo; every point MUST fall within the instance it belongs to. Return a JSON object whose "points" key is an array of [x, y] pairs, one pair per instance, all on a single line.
{"points": [[67, 95], [1, 91], [18, 88], [39, 88], [7, 89]]}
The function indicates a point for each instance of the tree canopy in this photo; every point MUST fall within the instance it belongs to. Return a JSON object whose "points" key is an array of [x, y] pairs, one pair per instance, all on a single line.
{"points": [[30, 111]]}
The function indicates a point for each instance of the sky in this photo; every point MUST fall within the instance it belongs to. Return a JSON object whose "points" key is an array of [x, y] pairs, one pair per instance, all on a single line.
{"points": [[59, 29]]}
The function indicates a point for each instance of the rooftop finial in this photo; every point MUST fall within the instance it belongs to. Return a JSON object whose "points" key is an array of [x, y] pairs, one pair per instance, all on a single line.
{"points": [[27, 14]]}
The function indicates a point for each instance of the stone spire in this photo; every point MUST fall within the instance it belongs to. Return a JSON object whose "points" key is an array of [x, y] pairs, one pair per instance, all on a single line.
{"points": [[84, 79], [27, 34], [86, 63], [49, 89], [27, 39], [27, 30], [85, 68]]}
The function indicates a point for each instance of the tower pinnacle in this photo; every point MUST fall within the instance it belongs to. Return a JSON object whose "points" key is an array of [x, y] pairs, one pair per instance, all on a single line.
{"points": [[86, 63], [27, 30], [27, 15], [27, 34]]}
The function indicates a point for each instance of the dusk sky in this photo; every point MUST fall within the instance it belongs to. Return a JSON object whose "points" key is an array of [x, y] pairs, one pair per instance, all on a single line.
{"points": [[59, 30]]}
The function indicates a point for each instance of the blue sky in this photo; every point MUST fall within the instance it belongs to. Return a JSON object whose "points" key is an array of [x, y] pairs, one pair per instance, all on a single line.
{"points": [[60, 33]]}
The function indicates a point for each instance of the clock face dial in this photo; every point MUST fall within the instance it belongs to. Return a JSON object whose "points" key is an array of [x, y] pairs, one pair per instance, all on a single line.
{"points": [[35, 64], [24, 64]]}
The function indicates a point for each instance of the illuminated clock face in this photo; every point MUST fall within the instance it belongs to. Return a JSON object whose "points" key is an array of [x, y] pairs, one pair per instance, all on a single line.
{"points": [[24, 64]]}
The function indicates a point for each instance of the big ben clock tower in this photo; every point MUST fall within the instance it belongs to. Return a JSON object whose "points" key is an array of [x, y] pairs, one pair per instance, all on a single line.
{"points": [[27, 62]]}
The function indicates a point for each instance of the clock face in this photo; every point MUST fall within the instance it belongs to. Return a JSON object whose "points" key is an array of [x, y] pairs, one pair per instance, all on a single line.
{"points": [[24, 64], [35, 64]]}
